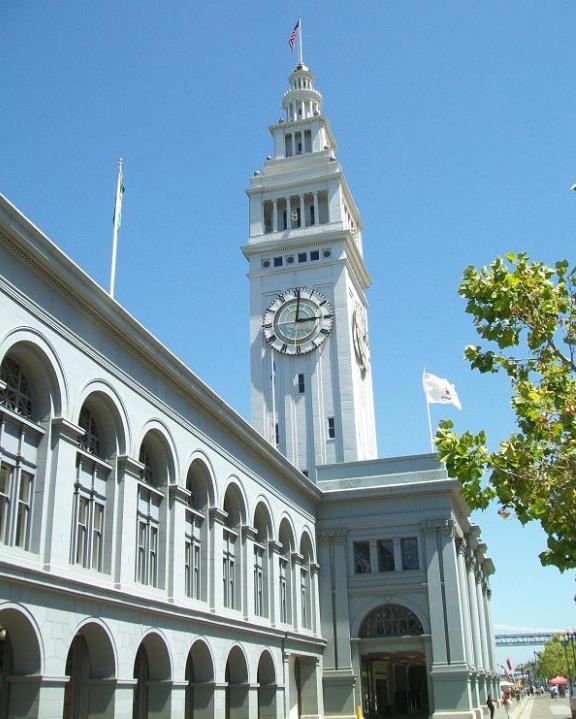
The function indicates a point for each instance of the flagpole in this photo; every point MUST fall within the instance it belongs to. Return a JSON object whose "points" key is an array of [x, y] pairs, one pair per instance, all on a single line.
{"points": [[116, 228], [428, 411], [300, 61]]}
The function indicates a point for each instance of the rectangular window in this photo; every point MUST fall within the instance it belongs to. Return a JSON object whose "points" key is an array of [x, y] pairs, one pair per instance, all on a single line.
{"points": [[409, 546], [141, 553], [302, 257], [362, 558], [5, 482], [301, 384], [331, 428], [229, 569], [276, 434], [288, 142], [258, 582], [97, 535], [278, 261], [312, 215], [153, 566], [24, 510], [304, 597], [188, 567], [315, 255], [283, 593], [196, 585], [386, 555], [82, 531]]}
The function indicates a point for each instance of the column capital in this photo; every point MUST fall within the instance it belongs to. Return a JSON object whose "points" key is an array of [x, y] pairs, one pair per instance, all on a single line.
{"points": [[471, 560], [248, 532], [67, 430], [179, 494]]}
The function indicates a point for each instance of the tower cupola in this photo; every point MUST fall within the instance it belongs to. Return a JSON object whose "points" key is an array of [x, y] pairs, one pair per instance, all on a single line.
{"points": [[302, 100]]}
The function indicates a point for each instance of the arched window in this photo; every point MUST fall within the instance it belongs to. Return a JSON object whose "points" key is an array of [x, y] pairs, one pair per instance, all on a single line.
{"points": [[391, 620], [17, 395], [196, 532], [286, 539], [232, 549], [19, 442], [306, 599], [90, 493], [263, 528], [154, 456]]}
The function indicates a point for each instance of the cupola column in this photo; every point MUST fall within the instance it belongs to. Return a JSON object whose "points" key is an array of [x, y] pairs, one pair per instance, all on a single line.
{"points": [[302, 212], [288, 214], [275, 216], [316, 215]]}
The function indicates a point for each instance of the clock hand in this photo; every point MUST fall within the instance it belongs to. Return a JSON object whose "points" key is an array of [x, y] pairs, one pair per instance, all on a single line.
{"points": [[298, 306]]}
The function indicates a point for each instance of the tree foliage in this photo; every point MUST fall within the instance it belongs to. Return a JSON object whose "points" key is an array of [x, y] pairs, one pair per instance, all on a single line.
{"points": [[526, 314], [552, 660]]}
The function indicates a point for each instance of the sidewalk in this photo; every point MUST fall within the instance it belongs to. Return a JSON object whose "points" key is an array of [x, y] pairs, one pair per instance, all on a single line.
{"points": [[537, 707]]}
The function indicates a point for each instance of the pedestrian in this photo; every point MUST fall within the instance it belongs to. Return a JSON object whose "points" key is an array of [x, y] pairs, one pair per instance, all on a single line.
{"points": [[507, 703], [490, 705]]}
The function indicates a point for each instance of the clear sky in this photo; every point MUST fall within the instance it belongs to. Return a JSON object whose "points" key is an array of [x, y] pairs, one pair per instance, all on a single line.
{"points": [[455, 124]]}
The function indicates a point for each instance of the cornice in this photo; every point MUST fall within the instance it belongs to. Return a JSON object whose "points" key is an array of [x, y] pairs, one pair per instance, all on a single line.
{"points": [[67, 430]]}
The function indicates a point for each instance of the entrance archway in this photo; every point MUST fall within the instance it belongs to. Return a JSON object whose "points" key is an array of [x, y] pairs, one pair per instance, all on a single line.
{"points": [[91, 668], [393, 664], [199, 682], [20, 664], [152, 672], [266, 687], [236, 685]]}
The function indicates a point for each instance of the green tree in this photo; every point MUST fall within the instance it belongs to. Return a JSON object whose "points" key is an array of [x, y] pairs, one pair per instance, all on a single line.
{"points": [[552, 660], [526, 314]]}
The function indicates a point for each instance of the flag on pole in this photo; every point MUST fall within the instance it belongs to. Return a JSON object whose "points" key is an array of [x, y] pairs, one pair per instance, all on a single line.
{"points": [[509, 664], [117, 216], [292, 38], [439, 391]]}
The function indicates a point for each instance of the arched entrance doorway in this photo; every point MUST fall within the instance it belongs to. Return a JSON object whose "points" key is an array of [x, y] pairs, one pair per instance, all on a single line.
{"points": [[200, 682], [20, 665], [152, 672], [91, 668], [266, 687], [236, 685], [393, 664]]}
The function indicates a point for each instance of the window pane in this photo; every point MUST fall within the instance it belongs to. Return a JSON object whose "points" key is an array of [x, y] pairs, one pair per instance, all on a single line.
{"points": [[410, 553], [81, 530], [386, 555], [23, 518], [5, 481], [362, 558], [97, 530]]}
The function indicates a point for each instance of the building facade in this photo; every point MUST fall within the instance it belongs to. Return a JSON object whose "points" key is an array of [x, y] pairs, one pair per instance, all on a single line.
{"points": [[161, 557]]}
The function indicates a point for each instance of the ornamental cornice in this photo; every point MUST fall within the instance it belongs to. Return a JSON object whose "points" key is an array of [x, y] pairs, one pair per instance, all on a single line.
{"points": [[471, 560], [297, 558], [460, 546], [326, 535], [275, 546], [447, 526], [314, 567]]}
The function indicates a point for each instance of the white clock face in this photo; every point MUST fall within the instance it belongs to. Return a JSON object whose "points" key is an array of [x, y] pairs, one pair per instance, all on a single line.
{"points": [[298, 321]]}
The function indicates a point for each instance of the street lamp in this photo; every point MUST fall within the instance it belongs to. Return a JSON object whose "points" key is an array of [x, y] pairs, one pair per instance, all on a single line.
{"points": [[564, 639]]}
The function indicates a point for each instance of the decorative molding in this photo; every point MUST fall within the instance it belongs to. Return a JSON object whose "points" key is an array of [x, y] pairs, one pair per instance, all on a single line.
{"points": [[442, 525], [297, 558], [275, 546], [67, 430], [217, 515], [248, 532], [325, 535], [130, 467], [179, 494]]}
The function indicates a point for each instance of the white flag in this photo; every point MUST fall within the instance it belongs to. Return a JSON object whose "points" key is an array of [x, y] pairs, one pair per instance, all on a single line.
{"points": [[439, 391]]}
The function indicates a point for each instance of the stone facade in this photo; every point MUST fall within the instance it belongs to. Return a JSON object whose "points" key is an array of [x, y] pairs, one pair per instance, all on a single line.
{"points": [[159, 557]]}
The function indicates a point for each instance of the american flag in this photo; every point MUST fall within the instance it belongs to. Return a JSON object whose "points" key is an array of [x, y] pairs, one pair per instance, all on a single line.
{"points": [[292, 38]]}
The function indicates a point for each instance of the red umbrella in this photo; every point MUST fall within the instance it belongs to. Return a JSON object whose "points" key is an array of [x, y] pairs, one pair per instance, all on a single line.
{"points": [[558, 680]]}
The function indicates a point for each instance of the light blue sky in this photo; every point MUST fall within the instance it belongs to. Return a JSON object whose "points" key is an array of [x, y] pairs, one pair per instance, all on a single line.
{"points": [[455, 128]]}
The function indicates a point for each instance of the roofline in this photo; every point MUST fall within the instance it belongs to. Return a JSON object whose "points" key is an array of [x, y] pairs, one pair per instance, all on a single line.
{"points": [[71, 280]]}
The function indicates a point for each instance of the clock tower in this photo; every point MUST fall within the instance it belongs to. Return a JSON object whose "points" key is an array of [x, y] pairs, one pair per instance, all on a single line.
{"points": [[310, 356]]}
